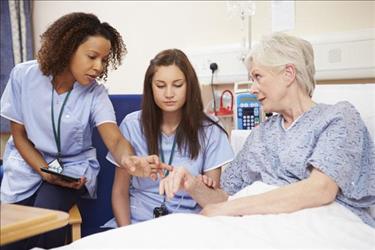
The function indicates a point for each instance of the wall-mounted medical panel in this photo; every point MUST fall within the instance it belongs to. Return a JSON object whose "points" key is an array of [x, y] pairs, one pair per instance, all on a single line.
{"points": [[349, 55]]}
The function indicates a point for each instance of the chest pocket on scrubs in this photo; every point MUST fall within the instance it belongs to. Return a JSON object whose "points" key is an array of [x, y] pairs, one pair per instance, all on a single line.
{"points": [[72, 133]]}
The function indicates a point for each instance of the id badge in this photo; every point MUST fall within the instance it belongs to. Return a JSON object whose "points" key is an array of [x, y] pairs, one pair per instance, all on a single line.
{"points": [[160, 211], [55, 166]]}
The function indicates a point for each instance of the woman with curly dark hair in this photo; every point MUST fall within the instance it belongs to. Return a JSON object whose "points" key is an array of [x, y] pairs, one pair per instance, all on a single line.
{"points": [[53, 104]]}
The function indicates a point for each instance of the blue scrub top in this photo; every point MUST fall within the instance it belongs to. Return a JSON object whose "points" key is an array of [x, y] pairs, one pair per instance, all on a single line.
{"points": [[27, 100], [144, 192]]}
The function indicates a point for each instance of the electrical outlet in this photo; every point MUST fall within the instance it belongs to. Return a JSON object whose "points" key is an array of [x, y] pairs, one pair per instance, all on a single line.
{"points": [[231, 67]]}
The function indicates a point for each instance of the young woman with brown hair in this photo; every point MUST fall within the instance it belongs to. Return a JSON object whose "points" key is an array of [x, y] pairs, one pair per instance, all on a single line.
{"points": [[171, 124]]}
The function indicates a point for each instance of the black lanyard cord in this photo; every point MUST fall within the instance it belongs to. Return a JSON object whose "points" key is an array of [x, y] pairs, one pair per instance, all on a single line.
{"points": [[56, 133], [170, 156]]}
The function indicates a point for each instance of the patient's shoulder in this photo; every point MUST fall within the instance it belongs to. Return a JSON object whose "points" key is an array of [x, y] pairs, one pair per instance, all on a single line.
{"points": [[342, 111], [341, 119], [344, 108]]}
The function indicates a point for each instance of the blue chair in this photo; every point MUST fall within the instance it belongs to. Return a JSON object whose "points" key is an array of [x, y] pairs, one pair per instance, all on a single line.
{"points": [[96, 212]]}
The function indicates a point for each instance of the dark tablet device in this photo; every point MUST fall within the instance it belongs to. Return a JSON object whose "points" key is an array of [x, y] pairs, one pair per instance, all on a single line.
{"points": [[62, 176]]}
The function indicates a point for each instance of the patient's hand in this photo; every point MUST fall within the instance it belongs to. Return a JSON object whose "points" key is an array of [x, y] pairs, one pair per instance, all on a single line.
{"points": [[146, 166]]}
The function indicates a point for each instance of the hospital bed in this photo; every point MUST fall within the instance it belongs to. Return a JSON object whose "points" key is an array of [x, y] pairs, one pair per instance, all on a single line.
{"points": [[329, 227]]}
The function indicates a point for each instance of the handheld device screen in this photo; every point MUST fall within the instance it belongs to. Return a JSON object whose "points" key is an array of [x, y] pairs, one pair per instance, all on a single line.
{"points": [[63, 176]]}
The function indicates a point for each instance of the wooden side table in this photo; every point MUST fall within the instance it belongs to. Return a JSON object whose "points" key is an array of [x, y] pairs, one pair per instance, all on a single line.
{"points": [[19, 222]]}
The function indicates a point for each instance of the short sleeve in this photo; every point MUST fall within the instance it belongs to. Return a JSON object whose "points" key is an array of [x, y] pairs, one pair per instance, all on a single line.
{"points": [[238, 173], [102, 109], [124, 129], [11, 98], [218, 151], [345, 152]]}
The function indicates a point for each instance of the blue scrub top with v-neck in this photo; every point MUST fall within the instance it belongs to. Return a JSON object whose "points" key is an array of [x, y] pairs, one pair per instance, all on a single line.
{"points": [[27, 101], [215, 152]]}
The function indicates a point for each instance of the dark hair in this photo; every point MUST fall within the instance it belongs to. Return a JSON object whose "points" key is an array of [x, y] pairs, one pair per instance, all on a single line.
{"points": [[66, 34], [193, 118]]}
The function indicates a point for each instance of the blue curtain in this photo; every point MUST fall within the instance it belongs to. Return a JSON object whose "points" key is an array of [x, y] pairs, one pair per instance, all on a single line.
{"points": [[16, 41]]}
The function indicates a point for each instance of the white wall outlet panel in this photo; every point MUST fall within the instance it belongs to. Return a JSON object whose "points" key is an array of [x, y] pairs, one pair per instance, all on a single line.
{"points": [[349, 55], [229, 59], [345, 56]]}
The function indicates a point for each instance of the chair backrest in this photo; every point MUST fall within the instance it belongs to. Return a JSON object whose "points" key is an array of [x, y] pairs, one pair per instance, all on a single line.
{"points": [[96, 212]]}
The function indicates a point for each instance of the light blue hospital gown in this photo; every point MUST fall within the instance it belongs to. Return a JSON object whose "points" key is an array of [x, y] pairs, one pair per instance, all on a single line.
{"points": [[27, 101], [144, 192], [332, 138]]}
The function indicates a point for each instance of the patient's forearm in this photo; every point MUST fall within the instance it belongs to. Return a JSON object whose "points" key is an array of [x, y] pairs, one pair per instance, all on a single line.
{"points": [[204, 195], [290, 198]]}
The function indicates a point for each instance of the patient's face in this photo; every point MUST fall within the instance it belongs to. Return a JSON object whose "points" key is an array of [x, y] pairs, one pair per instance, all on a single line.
{"points": [[268, 86], [169, 88]]}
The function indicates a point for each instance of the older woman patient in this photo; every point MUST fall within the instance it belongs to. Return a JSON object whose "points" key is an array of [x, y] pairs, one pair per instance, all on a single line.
{"points": [[316, 153]]}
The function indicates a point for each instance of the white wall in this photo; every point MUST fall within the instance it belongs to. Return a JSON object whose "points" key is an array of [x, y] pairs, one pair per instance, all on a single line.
{"points": [[316, 18], [147, 28]]}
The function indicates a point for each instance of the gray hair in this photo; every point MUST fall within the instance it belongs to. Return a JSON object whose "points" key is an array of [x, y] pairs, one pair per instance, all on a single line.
{"points": [[279, 49]]}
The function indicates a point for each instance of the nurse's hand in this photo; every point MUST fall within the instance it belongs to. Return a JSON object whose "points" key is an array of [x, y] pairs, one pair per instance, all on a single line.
{"points": [[146, 166], [207, 180], [55, 180], [178, 178]]}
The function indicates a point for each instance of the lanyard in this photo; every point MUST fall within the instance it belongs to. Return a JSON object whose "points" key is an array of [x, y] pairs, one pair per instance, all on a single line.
{"points": [[170, 156], [56, 133]]}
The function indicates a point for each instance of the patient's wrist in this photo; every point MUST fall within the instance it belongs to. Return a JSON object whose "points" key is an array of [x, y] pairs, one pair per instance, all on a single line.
{"points": [[195, 185]]}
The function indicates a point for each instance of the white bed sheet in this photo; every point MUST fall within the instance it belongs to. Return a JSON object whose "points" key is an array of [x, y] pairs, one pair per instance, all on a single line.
{"points": [[328, 227]]}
